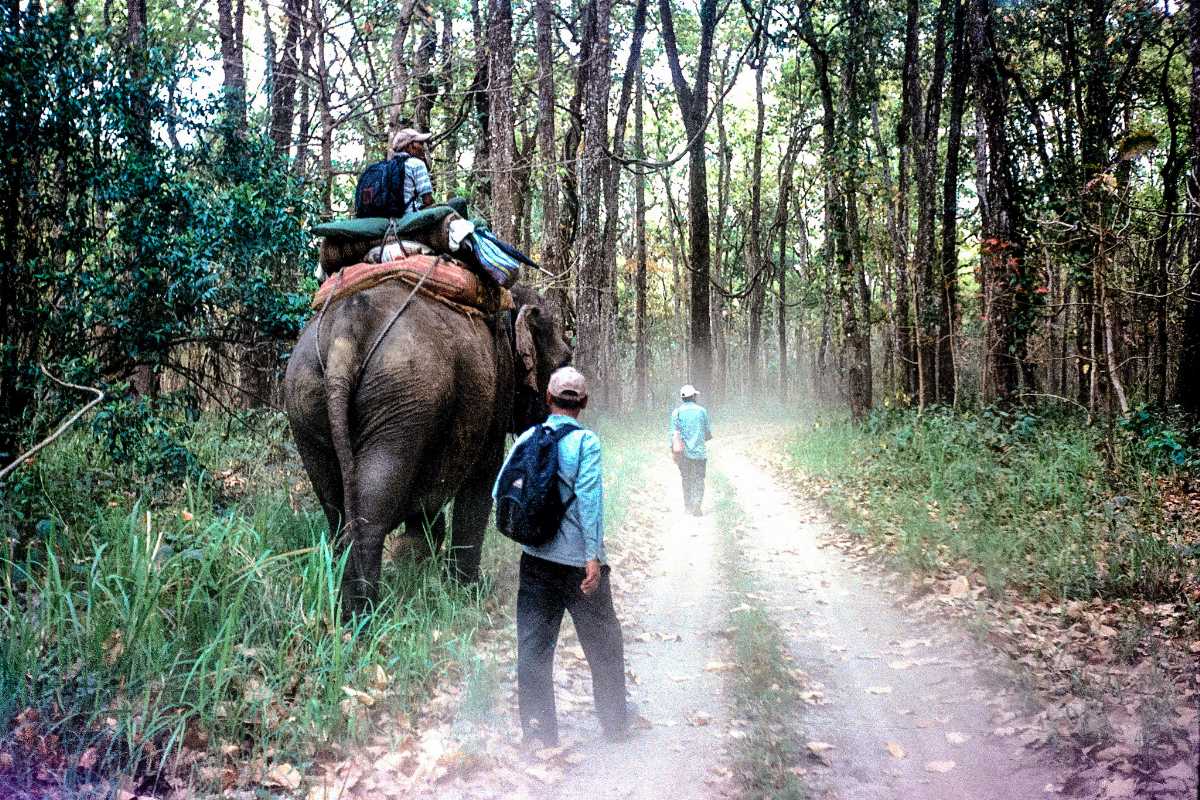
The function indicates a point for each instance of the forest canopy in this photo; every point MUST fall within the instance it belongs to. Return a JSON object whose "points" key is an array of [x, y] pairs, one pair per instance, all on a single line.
{"points": [[919, 203]]}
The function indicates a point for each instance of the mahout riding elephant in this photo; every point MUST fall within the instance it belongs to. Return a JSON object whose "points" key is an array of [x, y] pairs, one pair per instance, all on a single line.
{"points": [[421, 423]]}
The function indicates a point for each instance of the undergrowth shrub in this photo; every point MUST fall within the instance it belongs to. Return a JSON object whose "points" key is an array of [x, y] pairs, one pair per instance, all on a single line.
{"points": [[151, 622], [1027, 497]]}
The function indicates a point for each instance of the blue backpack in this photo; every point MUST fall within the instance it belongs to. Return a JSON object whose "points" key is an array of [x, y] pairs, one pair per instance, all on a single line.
{"points": [[380, 190], [530, 507]]}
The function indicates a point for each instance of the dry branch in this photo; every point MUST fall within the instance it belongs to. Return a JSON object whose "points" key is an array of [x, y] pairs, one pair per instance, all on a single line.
{"points": [[61, 428]]}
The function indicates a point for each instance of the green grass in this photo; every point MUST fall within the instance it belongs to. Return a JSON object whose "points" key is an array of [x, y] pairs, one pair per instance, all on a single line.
{"points": [[764, 689], [201, 619], [1028, 502]]}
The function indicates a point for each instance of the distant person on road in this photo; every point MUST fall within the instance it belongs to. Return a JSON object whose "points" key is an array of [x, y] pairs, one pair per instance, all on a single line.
{"points": [[570, 572], [690, 429]]}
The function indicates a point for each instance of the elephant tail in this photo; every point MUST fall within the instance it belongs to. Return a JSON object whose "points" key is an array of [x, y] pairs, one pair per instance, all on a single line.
{"points": [[340, 371]]}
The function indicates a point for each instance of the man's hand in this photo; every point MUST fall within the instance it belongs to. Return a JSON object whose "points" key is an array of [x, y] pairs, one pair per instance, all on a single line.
{"points": [[591, 581]]}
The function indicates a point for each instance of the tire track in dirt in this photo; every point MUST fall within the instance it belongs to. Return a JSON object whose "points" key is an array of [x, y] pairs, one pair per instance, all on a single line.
{"points": [[906, 703], [672, 612]]}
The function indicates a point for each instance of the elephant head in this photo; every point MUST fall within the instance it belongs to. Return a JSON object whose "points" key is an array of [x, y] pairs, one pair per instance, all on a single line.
{"points": [[541, 348]]}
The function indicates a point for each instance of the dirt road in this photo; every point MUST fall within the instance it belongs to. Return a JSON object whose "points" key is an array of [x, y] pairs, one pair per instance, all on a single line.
{"points": [[906, 704]]}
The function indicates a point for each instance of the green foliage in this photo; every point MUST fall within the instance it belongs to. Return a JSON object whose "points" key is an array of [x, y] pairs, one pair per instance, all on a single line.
{"points": [[206, 611], [137, 233], [1024, 497], [1160, 441]]}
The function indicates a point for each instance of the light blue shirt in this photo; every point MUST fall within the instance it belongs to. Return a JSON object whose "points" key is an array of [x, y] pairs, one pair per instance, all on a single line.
{"points": [[580, 537], [692, 421], [416, 184]]}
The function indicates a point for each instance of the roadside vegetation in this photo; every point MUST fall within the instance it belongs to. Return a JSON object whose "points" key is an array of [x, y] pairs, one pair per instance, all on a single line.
{"points": [[1072, 548], [1031, 500]]}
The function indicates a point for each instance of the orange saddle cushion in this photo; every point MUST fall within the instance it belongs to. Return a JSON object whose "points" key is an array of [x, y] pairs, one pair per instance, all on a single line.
{"points": [[449, 281]]}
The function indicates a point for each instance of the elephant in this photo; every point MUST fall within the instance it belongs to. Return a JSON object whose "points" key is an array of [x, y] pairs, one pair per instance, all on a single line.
{"points": [[421, 423]]}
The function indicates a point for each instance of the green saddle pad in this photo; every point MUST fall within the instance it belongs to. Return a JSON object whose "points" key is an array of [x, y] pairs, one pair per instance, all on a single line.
{"points": [[373, 228]]}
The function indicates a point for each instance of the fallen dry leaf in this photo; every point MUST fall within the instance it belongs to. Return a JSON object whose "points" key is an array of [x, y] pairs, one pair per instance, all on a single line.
{"points": [[1119, 788], [879, 690], [332, 789], [954, 737], [959, 586], [895, 750], [543, 773], [285, 776], [939, 766]]}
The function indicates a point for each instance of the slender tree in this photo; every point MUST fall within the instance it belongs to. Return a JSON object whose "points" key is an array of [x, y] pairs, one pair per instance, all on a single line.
{"points": [[594, 285], [1187, 384], [501, 161], [693, 108]]}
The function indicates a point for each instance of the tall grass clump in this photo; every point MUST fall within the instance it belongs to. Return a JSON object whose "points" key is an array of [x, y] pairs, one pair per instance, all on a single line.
{"points": [[147, 630], [1039, 502]]}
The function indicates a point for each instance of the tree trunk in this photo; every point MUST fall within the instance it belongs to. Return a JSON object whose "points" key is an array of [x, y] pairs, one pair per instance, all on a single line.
{"points": [[283, 97], [755, 268], [324, 101], [304, 111], [1005, 273], [399, 53], [925, 125], [594, 290], [839, 141], [781, 317], [501, 121], [720, 372], [948, 316], [423, 67], [612, 176], [449, 147], [1187, 382], [693, 106], [229, 27], [910, 105], [545, 132], [639, 217]]}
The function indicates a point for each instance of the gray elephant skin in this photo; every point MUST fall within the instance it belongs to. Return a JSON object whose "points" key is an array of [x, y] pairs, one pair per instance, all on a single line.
{"points": [[421, 424]]}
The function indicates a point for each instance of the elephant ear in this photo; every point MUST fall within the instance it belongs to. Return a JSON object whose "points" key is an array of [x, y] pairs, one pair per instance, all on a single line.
{"points": [[526, 350]]}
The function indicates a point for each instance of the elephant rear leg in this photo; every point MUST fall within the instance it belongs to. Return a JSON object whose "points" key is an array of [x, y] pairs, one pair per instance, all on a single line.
{"points": [[324, 472], [472, 508], [423, 536], [382, 485]]}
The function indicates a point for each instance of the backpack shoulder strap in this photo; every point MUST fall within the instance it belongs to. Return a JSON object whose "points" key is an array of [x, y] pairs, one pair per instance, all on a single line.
{"points": [[559, 434], [562, 432], [401, 160]]}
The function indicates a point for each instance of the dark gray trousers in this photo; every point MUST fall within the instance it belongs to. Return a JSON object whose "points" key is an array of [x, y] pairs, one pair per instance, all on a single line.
{"points": [[692, 471], [546, 590]]}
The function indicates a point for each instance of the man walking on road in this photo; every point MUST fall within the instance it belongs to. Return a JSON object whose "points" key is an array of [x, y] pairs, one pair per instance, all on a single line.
{"points": [[570, 572], [690, 429]]}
